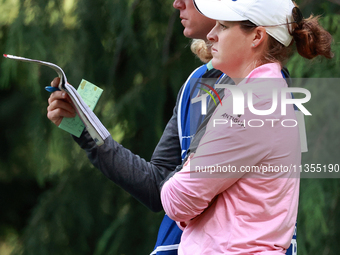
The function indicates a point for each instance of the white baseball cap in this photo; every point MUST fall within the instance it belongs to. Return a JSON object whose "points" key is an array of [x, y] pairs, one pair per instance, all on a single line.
{"points": [[271, 14]]}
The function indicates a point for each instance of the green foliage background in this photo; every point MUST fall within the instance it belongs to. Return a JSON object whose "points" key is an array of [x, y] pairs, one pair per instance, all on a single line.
{"points": [[52, 200]]}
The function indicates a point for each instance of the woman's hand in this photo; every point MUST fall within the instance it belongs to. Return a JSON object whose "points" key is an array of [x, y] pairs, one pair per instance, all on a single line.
{"points": [[188, 160], [59, 105]]}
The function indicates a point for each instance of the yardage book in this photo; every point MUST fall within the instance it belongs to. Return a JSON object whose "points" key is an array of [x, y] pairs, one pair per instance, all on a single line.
{"points": [[93, 125], [90, 93]]}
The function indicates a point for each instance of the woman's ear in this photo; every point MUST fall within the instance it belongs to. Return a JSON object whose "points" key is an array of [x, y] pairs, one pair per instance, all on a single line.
{"points": [[260, 36]]}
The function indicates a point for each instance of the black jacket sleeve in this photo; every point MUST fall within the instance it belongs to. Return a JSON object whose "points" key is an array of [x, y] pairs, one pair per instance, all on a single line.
{"points": [[134, 174]]}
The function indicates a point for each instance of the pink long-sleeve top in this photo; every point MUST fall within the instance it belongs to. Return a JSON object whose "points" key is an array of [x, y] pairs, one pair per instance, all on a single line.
{"points": [[240, 211]]}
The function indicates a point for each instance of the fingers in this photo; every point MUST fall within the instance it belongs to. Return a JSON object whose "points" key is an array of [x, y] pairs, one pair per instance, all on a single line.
{"points": [[59, 95], [57, 115], [55, 82], [59, 107], [189, 158], [63, 105]]}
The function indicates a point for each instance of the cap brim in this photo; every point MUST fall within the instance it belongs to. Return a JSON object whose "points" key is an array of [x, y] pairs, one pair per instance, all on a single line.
{"points": [[217, 10]]}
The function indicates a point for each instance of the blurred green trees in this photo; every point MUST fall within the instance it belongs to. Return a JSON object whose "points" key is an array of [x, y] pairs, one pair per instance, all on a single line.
{"points": [[52, 200]]}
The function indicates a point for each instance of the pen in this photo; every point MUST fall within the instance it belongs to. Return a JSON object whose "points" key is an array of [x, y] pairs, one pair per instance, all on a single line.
{"points": [[51, 89]]}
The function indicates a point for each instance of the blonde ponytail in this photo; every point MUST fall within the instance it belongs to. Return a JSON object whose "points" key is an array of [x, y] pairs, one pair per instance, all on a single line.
{"points": [[201, 49]]}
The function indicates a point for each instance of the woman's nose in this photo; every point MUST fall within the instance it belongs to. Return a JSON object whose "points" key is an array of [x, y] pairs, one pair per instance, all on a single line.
{"points": [[212, 35]]}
